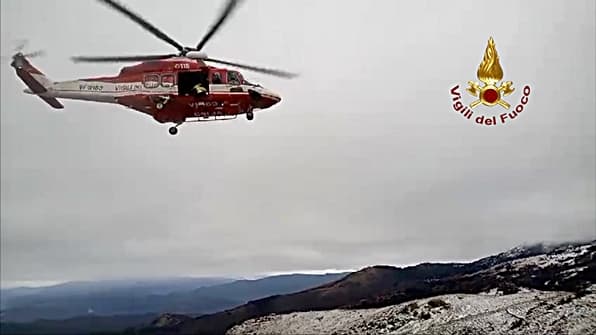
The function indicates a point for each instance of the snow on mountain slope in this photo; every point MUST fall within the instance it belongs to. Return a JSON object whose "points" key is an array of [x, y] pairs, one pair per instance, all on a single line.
{"points": [[526, 312], [566, 257]]}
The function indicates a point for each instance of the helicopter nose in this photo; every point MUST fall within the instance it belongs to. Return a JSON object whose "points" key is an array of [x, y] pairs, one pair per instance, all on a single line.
{"points": [[264, 98], [272, 98]]}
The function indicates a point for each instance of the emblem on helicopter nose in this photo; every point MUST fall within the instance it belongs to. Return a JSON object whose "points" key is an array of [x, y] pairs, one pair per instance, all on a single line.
{"points": [[490, 93]]}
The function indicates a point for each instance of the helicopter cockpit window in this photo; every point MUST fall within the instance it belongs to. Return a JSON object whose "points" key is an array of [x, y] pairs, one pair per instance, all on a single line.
{"points": [[151, 81], [167, 80], [233, 78], [216, 78]]}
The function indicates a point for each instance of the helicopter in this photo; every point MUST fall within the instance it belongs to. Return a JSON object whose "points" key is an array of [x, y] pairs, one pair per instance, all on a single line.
{"points": [[172, 88]]}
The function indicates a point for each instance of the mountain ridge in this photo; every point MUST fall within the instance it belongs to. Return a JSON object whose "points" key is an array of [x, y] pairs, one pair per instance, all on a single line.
{"points": [[377, 286]]}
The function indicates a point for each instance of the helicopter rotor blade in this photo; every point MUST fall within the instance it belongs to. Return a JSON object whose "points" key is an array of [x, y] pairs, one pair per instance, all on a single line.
{"points": [[143, 23], [225, 14], [273, 72], [120, 59]]}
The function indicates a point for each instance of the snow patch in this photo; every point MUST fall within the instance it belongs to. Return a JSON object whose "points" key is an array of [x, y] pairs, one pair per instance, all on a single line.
{"points": [[528, 312]]}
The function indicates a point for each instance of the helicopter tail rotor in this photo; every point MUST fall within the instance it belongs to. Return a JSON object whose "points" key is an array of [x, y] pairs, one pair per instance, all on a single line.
{"points": [[19, 48], [35, 54]]}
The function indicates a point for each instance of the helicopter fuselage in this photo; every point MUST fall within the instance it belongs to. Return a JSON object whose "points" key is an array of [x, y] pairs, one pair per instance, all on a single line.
{"points": [[163, 89]]}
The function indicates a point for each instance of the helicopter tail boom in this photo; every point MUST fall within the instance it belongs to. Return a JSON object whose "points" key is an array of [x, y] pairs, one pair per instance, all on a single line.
{"points": [[35, 80]]}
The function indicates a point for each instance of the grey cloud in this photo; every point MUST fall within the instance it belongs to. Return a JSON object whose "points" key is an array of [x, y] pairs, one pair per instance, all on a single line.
{"points": [[363, 162]]}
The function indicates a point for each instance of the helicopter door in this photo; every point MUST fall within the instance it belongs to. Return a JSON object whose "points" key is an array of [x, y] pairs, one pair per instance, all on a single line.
{"points": [[187, 80]]}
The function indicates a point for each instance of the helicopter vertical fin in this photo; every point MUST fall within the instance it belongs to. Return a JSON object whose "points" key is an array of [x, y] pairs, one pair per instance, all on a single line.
{"points": [[37, 82]]}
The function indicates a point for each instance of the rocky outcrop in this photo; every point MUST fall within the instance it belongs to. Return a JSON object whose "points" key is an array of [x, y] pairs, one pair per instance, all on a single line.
{"points": [[168, 320]]}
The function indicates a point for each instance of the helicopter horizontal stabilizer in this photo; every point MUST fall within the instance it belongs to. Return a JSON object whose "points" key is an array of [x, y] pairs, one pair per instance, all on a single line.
{"points": [[37, 82]]}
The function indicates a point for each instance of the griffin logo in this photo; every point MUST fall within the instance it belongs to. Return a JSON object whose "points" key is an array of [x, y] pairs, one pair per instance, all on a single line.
{"points": [[490, 93]]}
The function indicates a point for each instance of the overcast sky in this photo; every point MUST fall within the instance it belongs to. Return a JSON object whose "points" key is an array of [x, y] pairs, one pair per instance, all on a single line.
{"points": [[363, 162]]}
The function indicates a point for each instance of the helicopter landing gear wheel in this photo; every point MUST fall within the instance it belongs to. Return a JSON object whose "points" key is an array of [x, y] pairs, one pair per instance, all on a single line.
{"points": [[250, 116], [159, 105], [174, 129]]}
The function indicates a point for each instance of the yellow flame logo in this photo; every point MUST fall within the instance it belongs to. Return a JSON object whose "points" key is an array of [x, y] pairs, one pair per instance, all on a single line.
{"points": [[490, 73]]}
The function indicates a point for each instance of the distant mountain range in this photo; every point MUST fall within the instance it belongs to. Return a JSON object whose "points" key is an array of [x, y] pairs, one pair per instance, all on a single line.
{"points": [[82, 297], [238, 306], [130, 301], [23, 296]]}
